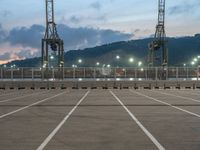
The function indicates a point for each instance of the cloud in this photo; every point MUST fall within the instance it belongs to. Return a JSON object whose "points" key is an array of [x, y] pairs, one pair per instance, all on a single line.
{"points": [[2, 34], [96, 5], [184, 8], [74, 38], [25, 42], [26, 36], [5, 13], [79, 38]]}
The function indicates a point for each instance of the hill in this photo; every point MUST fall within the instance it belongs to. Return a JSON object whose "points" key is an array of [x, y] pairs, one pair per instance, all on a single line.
{"points": [[181, 50]]}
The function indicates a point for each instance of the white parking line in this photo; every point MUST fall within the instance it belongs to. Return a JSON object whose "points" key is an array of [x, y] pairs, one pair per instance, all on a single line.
{"points": [[20, 109], [53, 133], [151, 137], [11, 99], [186, 98], [178, 108]]}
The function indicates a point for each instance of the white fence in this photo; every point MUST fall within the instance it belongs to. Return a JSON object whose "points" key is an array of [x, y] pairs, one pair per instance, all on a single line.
{"points": [[91, 73]]}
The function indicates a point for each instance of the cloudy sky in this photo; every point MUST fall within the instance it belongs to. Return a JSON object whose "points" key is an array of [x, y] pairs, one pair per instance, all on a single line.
{"points": [[87, 23]]}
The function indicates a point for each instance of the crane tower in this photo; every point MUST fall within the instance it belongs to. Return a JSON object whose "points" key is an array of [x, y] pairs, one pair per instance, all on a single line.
{"points": [[52, 45], [158, 51]]}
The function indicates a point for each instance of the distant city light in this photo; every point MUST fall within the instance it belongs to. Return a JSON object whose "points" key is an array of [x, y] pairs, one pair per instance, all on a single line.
{"points": [[142, 69], [97, 63], [80, 61], [51, 57], [139, 63], [108, 66], [131, 79], [195, 59], [184, 65], [131, 60], [74, 66], [199, 57], [192, 63], [118, 57]]}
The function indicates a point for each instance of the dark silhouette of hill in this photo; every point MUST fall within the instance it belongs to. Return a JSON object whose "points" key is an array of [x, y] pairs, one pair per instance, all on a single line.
{"points": [[181, 50]]}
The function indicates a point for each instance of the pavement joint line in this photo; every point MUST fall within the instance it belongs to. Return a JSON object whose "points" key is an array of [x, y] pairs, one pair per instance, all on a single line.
{"points": [[178, 108], [151, 137], [23, 108], [186, 98], [11, 99], [53, 133]]}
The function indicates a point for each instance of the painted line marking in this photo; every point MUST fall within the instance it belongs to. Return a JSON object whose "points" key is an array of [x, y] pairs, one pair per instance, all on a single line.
{"points": [[151, 137], [186, 111], [53, 133], [12, 99], [23, 108], [186, 98]]}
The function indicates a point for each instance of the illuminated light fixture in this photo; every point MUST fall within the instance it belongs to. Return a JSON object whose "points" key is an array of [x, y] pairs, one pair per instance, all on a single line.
{"points": [[80, 61], [117, 57], [108, 66], [192, 63], [195, 59], [139, 63], [97, 63], [51, 57], [131, 60]]}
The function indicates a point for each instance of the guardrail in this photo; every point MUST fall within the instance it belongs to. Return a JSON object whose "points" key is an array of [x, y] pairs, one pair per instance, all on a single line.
{"points": [[95, 73]]}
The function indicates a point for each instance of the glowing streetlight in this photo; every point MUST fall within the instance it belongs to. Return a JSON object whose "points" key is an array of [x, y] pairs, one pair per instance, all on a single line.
{"points": [[51, 57], [74, 66], [192, 63], [131, 60], [199, 56], [117, 57], [184, 65], [97, 63], [195, 59], [108, 66], [139, 63], [80, 61]]}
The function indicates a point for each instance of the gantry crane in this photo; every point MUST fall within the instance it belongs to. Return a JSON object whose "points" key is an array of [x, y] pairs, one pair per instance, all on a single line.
{"points": [[158, 51], [52, 45]]}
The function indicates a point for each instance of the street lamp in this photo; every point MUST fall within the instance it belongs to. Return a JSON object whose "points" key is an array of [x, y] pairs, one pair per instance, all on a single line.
{"points": [[117, 57], [195, 59], [51, 57], [131, 60], [139, 63], [97, 63], [80, 61], [192, 63]]}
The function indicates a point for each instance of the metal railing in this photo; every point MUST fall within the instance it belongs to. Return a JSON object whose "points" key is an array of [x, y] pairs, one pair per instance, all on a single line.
{"points": [[91, 73]]}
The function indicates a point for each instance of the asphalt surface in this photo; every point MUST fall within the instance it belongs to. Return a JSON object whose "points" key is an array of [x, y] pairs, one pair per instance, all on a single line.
{"points": [[100, 120]]}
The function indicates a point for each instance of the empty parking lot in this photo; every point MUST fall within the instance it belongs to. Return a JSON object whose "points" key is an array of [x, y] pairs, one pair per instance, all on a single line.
{"points": [[100, 119]]}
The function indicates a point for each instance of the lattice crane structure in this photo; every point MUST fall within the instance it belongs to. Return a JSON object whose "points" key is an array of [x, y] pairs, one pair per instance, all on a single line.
{"points": [[158, 51], [52, 45]]}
